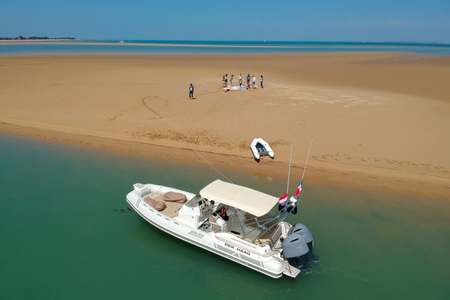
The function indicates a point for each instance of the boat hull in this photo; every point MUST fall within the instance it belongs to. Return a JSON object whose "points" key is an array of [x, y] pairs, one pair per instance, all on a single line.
{"points": [[196, 237]]}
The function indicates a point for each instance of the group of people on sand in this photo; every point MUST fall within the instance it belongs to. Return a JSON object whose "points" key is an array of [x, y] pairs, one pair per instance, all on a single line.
{"points": [[228, 83], [250, 81]]}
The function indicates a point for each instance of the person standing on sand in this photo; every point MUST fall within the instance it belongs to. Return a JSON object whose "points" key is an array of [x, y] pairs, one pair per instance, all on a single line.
{"points": [[226, 80], [248, 81], [191, 91], [240, 80], [231, 79], [254, 81], [261, 82]]}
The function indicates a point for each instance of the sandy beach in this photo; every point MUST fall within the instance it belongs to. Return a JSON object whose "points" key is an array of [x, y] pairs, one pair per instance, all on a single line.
{"points": [[377, 120]]}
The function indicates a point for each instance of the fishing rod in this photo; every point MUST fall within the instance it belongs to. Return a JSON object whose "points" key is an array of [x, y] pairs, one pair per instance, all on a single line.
{"points": [[306, 160], [289, 170]]}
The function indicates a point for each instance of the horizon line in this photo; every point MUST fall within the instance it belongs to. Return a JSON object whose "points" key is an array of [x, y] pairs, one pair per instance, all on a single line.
{"points": [[271, 41]]}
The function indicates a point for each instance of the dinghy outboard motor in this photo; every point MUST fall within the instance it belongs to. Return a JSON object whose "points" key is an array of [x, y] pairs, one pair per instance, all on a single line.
{"points": [[298, 246]]}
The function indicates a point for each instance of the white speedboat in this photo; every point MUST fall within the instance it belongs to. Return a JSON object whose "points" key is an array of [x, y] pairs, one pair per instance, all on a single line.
{"points": [[233, 221]]}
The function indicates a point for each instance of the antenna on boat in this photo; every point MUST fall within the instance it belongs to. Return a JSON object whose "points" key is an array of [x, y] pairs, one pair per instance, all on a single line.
{"points": [[306, 160], [289, 170]]}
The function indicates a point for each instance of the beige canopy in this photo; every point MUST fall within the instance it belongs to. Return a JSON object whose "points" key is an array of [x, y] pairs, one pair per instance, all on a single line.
{"points": [[243, 198]]}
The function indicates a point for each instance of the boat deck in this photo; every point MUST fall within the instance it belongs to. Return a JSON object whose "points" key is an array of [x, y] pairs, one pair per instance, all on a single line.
{"points": [[171, 209]]}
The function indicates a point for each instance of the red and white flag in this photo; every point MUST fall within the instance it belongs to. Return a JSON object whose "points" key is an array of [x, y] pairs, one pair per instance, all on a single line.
{"points": [[283, 198], [298, 190]]}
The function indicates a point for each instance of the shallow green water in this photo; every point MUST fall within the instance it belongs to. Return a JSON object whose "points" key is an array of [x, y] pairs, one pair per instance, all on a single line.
{"points": [[65, 233]]}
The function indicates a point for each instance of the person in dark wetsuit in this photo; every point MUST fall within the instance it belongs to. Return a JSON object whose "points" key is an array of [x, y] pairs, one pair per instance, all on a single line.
{"points": [[248, 81], [261, 82], [191, 91]]}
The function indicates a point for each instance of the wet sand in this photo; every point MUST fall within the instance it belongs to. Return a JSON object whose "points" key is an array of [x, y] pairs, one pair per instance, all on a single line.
{"points": [[377, 120]]}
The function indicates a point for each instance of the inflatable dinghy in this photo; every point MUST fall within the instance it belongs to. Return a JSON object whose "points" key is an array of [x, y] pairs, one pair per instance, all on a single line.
{"points": [[261, 148]]}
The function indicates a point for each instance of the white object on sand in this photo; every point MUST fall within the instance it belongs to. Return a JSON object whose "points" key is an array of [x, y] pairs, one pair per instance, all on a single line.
{"points": [[234, 88], [261, 148]]}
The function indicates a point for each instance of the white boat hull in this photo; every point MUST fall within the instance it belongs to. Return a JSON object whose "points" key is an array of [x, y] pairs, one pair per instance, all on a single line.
{"points": [[232, 249]]}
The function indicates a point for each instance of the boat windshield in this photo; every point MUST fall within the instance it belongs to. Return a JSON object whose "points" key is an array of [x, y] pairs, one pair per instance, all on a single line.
{"points": [[194, 201], [250, 227]]}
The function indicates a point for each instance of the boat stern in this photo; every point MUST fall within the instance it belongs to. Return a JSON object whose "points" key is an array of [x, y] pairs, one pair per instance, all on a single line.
{"points": [[291, 271]]}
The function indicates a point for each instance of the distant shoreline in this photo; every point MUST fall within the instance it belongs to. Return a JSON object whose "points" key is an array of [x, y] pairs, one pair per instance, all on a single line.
{"points": [[33, 41], [132, 47], [213, 44], [233, 42], [34, 38]]}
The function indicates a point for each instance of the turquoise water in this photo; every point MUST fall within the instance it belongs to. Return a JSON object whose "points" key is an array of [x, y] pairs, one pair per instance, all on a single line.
{"points": [[219, 47], [65, 233]]}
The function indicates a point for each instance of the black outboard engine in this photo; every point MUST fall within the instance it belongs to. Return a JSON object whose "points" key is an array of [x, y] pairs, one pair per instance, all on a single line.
{"points": [[298, 246]]}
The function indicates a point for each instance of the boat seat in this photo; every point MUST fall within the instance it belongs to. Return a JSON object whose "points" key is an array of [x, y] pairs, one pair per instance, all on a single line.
{"points": [[174, 197], [155, 203], [159, 202]]}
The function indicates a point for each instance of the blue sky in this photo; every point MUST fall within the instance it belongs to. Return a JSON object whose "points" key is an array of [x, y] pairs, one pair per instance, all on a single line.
{"points": [[346, 20]]}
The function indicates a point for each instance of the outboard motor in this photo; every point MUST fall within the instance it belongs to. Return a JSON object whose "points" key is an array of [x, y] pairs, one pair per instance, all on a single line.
{"points": [[298, 246], [302, 230]]}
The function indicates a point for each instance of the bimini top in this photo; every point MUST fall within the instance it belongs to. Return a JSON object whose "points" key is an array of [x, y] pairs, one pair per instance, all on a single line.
{"points": [[243, 198]]}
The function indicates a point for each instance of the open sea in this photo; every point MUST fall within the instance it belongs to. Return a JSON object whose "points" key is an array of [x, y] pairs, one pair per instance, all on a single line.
{"points": [[66, 233], [216, 47]]}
